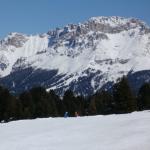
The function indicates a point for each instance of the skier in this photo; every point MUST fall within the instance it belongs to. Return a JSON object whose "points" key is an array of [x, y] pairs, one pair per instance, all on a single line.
{"points": [[66, 114], [76, 114]]}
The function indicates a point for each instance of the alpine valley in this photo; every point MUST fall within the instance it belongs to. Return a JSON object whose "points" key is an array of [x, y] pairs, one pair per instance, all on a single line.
{"points": [[83, 57]]}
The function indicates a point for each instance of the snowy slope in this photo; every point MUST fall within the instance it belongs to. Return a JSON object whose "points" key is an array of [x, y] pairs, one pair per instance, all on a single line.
{"points": [[113, 132], [99, 51]]}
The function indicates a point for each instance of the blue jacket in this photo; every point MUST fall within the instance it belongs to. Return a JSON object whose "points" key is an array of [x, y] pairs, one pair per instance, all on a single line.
{"points": [[66, 115]]}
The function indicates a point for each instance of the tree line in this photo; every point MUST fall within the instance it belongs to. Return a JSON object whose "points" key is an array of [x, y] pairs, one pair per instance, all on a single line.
{"points": [[38, 103]]}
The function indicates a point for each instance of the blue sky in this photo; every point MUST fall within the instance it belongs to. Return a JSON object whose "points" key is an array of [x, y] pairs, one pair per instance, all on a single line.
{"points": [[38, 16]]}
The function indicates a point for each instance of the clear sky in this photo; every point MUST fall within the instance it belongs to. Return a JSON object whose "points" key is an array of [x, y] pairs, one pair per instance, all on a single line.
{"points": [[38, 16]]}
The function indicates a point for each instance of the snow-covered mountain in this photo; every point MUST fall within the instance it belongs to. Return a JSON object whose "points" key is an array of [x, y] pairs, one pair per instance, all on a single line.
{"points": [[84, 57]]}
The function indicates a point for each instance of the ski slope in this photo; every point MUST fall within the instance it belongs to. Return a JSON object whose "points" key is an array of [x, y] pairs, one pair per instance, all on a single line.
{"points": [[113, 132]]}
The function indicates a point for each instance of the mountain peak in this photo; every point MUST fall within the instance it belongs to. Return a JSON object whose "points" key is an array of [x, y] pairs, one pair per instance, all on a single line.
{"points": [[89, 54], [113, 24], [116, 21], [15, 39]]}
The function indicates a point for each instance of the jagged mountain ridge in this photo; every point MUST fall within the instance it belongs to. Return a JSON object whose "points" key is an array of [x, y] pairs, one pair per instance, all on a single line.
{"points": [[84, 57]]}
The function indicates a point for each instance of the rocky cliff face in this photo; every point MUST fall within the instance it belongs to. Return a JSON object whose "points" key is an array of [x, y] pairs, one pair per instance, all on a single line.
{"points": [[84, 57]]}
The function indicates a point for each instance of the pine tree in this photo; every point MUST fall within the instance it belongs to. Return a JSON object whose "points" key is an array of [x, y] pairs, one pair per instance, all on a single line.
{"points": [[104, 103], [39, 96], [27, 104], [69, 102], [80, 104], [44, 102], [52, 102], [125, 101], [144, 97], [92, 106], [19, 109], [7, 105]]}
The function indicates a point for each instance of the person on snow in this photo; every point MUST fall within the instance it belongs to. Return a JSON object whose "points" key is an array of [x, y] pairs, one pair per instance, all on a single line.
{"points": [[76, 114], [66, 114]]}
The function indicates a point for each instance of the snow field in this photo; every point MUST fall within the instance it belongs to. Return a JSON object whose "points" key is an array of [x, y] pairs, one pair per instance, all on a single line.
{"points": [[112, 132]]}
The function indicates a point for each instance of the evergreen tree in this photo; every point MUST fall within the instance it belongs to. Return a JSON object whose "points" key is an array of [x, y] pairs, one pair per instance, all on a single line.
{"points": [[53, 101], [39, 95], [144, 97], [80, 104], [125, 101], [44, 102], [27, 104], [104, 103], [7, 105], [19, 109], [92, 106], [69, 102]]}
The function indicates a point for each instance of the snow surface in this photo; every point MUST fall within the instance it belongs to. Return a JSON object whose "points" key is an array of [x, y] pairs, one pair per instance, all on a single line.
{"points": [[112, 132]]}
